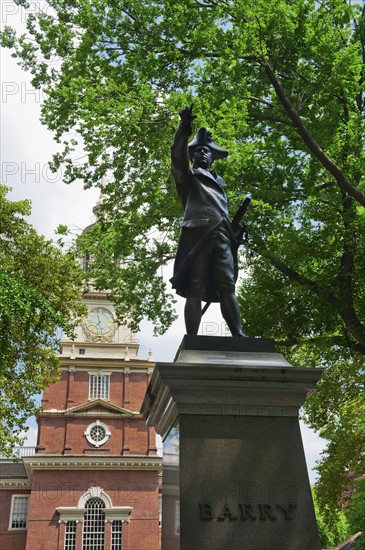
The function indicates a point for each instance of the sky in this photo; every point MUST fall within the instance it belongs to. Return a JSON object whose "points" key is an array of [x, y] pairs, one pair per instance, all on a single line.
{"points": [[26, 149]]}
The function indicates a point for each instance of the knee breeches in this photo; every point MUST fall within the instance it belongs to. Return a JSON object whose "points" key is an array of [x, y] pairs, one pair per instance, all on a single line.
{"points": [[212, 265]]}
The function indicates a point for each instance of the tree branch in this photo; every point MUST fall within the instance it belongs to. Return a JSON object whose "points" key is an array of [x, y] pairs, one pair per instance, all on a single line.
{"points": [[345, 282], [345, 305], [297, 277], [308, 139], [258, 117], [328, 340]]}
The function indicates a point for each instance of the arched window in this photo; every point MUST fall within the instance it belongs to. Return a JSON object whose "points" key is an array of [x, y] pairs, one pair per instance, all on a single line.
{"points": [[94, 525], [95, 509]]}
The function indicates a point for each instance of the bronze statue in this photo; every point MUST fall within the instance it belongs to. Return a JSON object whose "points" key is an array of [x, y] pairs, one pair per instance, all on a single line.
{"points": [[206, 260]]}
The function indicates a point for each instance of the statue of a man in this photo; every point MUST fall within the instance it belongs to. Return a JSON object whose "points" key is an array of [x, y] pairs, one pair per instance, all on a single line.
{"points": [[206, 256]]}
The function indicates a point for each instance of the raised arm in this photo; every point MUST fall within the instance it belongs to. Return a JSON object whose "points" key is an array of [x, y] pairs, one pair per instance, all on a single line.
{"points": [[179, 147]]}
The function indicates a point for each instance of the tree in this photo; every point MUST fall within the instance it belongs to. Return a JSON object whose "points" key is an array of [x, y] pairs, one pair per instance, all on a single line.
{"points": [[281, 86], [39, 295], [355, 513], [335, 532], [337, 411]]}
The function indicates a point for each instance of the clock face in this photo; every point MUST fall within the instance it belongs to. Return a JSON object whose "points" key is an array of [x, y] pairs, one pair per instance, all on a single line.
{"points": [[100, 321]]}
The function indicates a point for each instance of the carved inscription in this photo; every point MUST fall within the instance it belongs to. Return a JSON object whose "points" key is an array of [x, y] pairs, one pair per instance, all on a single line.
{"points": [[246, 512], [254, 493]]}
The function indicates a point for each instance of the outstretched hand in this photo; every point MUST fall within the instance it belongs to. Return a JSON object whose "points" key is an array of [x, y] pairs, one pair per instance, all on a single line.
{"points": [[187, 117]]}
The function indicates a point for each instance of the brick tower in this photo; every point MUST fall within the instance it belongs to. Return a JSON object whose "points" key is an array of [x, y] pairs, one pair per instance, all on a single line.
{"points": [[92, 483], [94, 478]]}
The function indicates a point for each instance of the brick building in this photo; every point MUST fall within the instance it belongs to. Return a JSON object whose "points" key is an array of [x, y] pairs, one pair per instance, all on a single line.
{"points": [[92, 482]]}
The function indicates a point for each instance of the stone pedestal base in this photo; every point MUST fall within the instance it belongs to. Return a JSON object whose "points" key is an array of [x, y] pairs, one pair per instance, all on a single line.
{"points": [[234, 469]]}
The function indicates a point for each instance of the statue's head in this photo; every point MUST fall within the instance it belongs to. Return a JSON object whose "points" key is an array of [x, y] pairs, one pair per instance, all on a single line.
{"points": [[203, 151]]}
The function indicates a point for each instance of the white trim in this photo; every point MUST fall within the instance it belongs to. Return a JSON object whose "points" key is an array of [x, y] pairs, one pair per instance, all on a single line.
{"points": [[87, 433], [116, 535], [13, 498], [86, 413], [118, 512], [95, 492], [94, 524], [13, 483], [119, 366], [100, 384], [70, 534], [90, 414], [76, 513], [100, 372], [83, 462], [88, 407], [70, 514]]}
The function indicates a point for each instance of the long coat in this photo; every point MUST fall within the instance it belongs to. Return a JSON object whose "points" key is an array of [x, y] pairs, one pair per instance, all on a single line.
{"points": [[205, 204]]}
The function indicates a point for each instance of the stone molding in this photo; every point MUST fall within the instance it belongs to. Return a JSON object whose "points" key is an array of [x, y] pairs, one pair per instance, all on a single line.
{"points": [[90, 414], [14, 484], [95, 492], [225, 389], [76, 513], [227, 410], [77, 462], [115, 364]]}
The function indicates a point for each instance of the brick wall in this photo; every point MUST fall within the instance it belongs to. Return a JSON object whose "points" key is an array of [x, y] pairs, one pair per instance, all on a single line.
{"points": [[125, 390], [138, 489], [65, 435], [10, 539]]}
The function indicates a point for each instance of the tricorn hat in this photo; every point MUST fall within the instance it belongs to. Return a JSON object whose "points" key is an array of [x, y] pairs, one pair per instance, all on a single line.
{"points": [[204, 137]]}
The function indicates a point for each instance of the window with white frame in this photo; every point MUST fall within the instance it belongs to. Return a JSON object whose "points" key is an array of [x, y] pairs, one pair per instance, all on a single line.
{"points": [[97, 433], [99, 386], [117, 535], [94, 525], [70, 535], [19, 512]]}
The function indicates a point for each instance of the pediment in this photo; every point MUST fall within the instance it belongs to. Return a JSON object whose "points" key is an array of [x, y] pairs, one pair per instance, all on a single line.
{"points": [[100, 406]]}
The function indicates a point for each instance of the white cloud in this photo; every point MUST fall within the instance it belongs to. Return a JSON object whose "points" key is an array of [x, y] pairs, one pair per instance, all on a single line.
{"points": [[26, 149]]}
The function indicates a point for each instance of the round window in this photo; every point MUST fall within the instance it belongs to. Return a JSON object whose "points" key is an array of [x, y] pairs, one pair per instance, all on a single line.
{"points": [[97, 433]]}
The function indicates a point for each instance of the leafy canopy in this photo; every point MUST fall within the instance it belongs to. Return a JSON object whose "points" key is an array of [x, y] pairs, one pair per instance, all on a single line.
{"points": [[355, 513], [330, 534], [281, 86], [39, 295]]}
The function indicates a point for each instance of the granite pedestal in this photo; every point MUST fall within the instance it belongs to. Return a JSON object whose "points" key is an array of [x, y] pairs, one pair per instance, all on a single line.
{"points": [[234, 470]]}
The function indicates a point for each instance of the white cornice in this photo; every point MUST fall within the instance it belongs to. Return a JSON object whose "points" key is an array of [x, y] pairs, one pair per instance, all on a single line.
{"points": [[104, 404], [95, 463], [107, 345], [83, 362], [118, 512], [93, 408], [14, 483], [88, 414], [77, 514]]}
